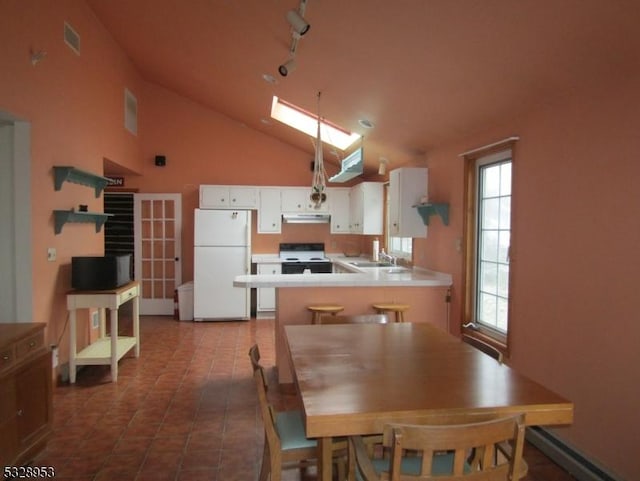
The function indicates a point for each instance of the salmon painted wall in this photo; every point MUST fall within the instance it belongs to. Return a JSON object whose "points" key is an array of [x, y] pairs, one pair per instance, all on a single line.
{"points": [[204, 147], [75, 106], [575, 258]]}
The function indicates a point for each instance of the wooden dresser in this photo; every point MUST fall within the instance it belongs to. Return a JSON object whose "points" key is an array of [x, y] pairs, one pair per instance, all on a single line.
{"points": [[26, 396]]}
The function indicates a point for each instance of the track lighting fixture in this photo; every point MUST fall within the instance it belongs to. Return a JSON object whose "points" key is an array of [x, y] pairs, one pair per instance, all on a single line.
{"points": [[297, 22], [299, 26], [382, 166], [287, 67]]}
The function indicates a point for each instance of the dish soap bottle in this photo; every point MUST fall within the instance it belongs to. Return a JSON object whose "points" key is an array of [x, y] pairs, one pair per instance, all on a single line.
{"points": [[376, 250]]}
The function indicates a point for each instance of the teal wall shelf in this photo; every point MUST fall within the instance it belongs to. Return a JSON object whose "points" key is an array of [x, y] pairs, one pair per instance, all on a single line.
{"points": [[427, 210], [77, 176], [62, 217]]}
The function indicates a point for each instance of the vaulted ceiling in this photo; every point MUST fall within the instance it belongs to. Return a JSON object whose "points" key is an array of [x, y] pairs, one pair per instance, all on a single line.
{"points": [[422, 71]]}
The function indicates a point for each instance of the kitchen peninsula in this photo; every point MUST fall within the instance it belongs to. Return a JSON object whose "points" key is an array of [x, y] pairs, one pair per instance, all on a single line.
{"points": [[355, 288]]}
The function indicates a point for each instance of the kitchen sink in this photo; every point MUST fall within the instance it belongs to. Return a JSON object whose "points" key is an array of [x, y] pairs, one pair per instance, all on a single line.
{"points": [[397, 270], [370, 264]]}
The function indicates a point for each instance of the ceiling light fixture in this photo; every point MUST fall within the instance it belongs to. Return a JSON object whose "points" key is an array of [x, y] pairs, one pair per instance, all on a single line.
{"points": [[367, 124], [269, 79], [297, 21], [287, 67], [299, 26], [382, 166]]}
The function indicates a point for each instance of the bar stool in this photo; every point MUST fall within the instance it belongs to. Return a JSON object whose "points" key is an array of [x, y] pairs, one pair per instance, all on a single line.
{"points": [[399, 309], [319, 310]]}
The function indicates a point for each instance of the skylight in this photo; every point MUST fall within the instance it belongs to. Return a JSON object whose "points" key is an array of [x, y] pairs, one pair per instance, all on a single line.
{"points": [[307, 122]]}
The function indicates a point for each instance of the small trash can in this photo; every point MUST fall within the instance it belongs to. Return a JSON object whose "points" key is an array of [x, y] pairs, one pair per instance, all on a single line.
{"points": [[185, 301]]}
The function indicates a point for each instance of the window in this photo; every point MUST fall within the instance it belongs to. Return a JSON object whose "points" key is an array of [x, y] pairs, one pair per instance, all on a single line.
{"points": [[493, 241], [488, 242], [306, 122], [400, 247]]}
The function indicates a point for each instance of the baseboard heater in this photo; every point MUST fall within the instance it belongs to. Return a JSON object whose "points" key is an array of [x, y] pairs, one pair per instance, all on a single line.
{"points": [[567, 457]]}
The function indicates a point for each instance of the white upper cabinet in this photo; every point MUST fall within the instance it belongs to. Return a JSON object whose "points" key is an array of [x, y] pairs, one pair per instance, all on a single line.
{"points": [[269, 211], [297, 199], [338, 198], [366, 208], [407, 186], [228, 197]]}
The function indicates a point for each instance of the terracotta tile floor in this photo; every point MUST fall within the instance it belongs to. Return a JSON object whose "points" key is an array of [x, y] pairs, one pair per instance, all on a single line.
{"points": [[185, 410]]}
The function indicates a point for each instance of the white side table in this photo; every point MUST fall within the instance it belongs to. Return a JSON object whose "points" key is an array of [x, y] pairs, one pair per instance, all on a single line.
{"points": [[107, 349]]}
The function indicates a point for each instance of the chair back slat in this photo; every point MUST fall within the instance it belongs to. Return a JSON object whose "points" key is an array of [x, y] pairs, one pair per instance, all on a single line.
{"points": [[471, 449]]}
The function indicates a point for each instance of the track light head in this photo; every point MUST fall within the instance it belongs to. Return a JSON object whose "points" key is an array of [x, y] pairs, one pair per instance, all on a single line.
{"points": [[382, 166], [297, 22], [287, 67]]}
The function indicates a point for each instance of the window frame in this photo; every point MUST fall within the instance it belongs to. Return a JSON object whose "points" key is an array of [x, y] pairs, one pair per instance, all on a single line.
{"points": [[492, 154]]}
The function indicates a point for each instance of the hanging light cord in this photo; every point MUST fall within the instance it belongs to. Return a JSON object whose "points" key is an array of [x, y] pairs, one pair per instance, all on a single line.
{"points": [[318, 195]]}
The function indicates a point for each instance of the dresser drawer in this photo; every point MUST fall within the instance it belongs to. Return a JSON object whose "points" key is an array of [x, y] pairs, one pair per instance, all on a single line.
{"points": [[127, 295], [30, 344], [7, 358]]}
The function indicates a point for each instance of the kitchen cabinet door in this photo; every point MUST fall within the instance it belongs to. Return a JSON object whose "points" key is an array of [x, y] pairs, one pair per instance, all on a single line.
{"points": [[266, 296], [407, 186], [338, 198], [243, 197], [366, 208], [214, 196], [297, 199], [228, 197], [269, 211]]}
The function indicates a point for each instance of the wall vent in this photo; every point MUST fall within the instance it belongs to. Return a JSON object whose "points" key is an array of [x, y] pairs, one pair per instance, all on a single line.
{"points": [[71, 38], [130, 112]]}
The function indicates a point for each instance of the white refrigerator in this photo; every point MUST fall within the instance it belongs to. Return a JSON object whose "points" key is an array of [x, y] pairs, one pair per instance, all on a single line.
{"points": [[222, 243]]}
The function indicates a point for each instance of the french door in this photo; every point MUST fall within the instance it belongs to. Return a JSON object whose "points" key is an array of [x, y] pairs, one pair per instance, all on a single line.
{"points": [[158, 254]]}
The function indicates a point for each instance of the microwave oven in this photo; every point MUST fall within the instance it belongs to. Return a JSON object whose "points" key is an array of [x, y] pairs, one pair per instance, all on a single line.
{"points": [[93, 273]]}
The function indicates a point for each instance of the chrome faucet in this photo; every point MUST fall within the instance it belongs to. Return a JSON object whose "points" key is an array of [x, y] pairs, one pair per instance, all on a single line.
{"points": [[388, 257]]}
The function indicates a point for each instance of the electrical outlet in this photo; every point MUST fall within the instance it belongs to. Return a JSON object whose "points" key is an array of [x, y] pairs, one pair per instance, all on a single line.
{"points": [[54, 356], [95, 320], [52, 254]]}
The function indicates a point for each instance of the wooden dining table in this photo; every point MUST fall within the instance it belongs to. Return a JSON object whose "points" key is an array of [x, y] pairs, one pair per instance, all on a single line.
{"points": [[353, 379]]}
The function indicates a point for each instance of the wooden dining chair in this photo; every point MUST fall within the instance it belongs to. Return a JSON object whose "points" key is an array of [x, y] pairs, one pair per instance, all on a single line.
{"points": [[446, 452], [355, 319], [285, 441], [484, 347]]}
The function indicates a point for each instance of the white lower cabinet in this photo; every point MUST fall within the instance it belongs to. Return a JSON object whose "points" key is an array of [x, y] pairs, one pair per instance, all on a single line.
{"points": [[266, 296]]}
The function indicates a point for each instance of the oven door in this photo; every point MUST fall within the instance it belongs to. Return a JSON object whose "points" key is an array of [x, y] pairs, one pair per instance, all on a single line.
{"points": [[293, 267]]}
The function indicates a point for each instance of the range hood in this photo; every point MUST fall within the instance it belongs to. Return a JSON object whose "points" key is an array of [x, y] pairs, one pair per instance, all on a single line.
{"points": [[301, 218]]}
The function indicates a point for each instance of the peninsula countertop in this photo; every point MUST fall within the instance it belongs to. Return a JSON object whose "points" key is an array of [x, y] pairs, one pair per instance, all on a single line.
{"points": [[391, 276]]}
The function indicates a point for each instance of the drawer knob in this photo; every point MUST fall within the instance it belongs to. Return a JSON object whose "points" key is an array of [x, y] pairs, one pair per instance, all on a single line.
{"points": [[5, 357], [20, 412], [32, 344]]}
